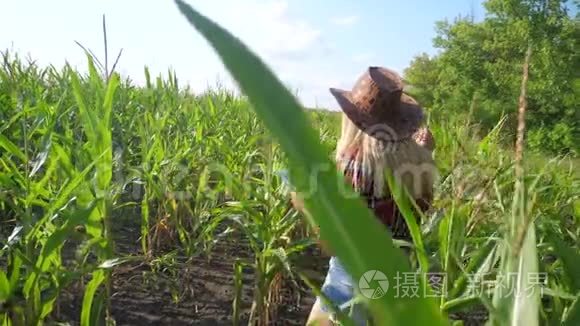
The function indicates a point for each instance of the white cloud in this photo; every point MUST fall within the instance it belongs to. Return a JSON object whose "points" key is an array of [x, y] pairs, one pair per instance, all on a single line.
{"points": [[345, 20], [289, 44], [294, 48], [269, 29]]}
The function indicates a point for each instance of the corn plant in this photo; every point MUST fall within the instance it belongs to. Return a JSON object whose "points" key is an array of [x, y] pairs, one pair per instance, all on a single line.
{"points": [[37, 273], [264, 217]]}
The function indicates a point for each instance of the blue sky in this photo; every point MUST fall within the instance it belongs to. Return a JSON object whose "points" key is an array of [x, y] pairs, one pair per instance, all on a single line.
{"points": [[311, 44]]}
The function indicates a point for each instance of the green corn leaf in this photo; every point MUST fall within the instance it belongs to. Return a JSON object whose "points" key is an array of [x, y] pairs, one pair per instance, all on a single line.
{"points": [[104, 172], [17, 115], [13, 175], [570, 260], [345, 223], [40, 186], [13, 238], [147, 78], [110, 263], [236, 303], [461, 303], [99, 309], [15, 274], [145, 223], [108, 101], [460, 285], [89, 119], [63, 197], [572, 317], [95, 79], [58, 237], [63, 158], [87, 318], [36, 302], [516, 297], [48, 305], [54, 241], [402, 198], [42, 156], [6, 319], [4, 287], [11, 148], [558, 293]]}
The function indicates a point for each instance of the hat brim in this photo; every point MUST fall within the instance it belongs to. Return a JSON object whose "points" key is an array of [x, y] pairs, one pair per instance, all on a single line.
{"points": [[400, 124]]}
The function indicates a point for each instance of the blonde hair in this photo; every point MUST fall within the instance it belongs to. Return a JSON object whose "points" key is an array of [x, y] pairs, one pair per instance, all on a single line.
{"points": [[412, 165]]}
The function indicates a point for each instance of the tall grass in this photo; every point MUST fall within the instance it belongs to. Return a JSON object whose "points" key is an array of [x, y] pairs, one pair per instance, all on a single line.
{"points": [[83, 154]]}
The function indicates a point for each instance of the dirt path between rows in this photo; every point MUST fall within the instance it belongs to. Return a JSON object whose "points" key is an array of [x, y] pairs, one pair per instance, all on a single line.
{"points": [[196, 292]]}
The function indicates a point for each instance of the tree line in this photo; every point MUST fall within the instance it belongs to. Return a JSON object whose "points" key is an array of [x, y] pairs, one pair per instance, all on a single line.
{"points": [[478, 69]]}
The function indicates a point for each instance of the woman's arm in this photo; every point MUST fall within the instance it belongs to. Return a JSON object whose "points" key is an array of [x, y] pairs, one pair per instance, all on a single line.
{"points": [[298, 204]]}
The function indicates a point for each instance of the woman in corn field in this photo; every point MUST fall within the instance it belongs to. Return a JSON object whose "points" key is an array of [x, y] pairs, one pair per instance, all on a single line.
{"points": [[381, 129]]}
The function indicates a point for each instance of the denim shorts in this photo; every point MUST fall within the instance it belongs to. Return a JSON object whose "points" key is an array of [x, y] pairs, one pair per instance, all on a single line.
{"points": [[338, 287]]}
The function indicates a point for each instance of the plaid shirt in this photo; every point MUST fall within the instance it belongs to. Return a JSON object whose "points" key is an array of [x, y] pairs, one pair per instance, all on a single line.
{"points": [[384, 208]]}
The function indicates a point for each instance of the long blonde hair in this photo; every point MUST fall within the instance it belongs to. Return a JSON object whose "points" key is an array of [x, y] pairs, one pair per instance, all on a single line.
{"points": [[412, 164]]}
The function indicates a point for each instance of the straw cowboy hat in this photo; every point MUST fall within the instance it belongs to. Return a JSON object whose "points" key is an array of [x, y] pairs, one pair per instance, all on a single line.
{"points": [[377, 105]]}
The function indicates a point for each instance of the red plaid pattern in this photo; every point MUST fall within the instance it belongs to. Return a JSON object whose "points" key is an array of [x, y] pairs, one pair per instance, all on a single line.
{"points": [[384, 208]]}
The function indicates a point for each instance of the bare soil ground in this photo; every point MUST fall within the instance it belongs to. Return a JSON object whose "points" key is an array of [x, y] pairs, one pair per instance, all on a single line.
{"points": [[197, 291]]}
